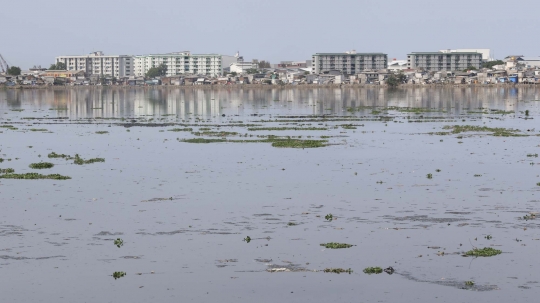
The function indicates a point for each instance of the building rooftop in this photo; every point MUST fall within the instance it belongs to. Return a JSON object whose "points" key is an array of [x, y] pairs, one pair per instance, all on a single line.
{"points": [[441, 53], [346, 54]]}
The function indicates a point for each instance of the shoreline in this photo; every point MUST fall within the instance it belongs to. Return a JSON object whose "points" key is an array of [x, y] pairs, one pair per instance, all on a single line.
{"points": [[259, 86]]}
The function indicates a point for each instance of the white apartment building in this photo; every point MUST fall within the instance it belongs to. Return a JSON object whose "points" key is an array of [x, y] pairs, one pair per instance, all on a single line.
{"points": [[183, 63], [97, 63], [486, 52], [439, 61], [349, 63]]}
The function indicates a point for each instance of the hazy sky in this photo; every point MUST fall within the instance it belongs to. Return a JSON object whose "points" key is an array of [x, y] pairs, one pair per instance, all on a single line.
{"points": [[34, 32]]}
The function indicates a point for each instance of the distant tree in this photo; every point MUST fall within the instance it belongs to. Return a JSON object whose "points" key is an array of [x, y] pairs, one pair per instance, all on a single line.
{"points": [[14, 71], [157, 71], [252, 71], [490, 64], [264, 64], [58, 66], [470, 67], [234, 74], [395, 80]]}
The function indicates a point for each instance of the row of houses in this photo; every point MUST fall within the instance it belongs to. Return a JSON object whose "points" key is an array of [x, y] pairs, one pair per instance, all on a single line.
{"points": [[285, 76], [185, 68]]}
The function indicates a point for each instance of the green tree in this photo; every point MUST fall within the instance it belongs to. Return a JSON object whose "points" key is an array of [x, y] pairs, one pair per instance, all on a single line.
{"points": [[395, 80], [252, 71], [470, 67], [157, 71], [58, 66], [490, 64], [264, 64], [14, 71]]}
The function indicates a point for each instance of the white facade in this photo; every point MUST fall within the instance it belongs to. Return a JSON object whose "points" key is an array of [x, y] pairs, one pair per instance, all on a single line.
{"points": [[97, 63], [439, 61], [395, 65], [180, 63], [349, 62], [486, 52], [242, 67]]}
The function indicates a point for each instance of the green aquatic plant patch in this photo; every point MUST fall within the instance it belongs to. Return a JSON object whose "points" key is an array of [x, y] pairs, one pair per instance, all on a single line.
{"points": [[338, 270], [299, 143], [41, 165], [6, 170], [215, 133], [335, 245], [495, 131], [483, 252], [187, 129], [286, 128], [34, 176], [203, 140], [55, 155], [102, 132], [118, 274], [80, 161], [372, 270], [119, 242]]}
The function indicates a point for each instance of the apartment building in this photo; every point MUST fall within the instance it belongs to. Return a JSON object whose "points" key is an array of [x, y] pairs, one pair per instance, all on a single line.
{"points": [[184, 63], [440, 61], [349, 63], [97, 63]]}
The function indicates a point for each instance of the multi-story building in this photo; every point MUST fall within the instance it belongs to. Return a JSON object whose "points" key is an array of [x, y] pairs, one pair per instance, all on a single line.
{"points": [[184, 63], [97, 63], [349, 62], [486, 52], [439, 61]]}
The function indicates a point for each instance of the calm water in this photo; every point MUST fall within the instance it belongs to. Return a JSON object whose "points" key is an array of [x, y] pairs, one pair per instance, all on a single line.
{"points": [[182, 209]]}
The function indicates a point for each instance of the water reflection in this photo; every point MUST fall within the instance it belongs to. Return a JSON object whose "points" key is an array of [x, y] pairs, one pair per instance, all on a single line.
{"points": [[183, 102]]}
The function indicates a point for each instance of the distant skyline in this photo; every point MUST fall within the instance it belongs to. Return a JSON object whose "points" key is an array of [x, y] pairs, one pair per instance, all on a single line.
{"points": [[35, 32]]}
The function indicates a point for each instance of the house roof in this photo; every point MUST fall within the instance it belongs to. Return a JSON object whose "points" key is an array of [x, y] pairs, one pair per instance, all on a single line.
{"points": [[529, 59]]}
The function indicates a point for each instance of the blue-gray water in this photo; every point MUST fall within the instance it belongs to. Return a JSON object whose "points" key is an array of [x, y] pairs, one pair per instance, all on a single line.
{"points": [[183, 209]]}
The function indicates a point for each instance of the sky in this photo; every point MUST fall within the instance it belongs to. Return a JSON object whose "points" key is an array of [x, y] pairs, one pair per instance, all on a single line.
{"points": [[34, 32]]}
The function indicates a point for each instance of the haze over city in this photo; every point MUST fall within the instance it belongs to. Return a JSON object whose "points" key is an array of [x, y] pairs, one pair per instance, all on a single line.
{"points": [[38, 31]]}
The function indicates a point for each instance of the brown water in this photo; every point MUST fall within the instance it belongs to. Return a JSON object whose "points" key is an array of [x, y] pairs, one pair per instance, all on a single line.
{"points": [[182, 209]]}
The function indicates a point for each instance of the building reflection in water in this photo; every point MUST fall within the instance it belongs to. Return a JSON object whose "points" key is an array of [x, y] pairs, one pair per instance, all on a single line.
{"points": [[186, 102]]}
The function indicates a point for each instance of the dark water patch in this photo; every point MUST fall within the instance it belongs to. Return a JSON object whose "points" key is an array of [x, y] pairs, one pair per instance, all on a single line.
{"points": [[162, 199], [107, 233], [263, 260], [450, 283], [425, 218], [6, 257], [288, 267]]}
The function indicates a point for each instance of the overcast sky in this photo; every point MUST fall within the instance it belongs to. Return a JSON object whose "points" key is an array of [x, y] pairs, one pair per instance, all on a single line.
{"points": [[34, 32]]}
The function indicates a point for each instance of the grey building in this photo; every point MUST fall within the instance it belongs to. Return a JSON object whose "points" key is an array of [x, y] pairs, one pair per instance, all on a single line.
{"points": [[348, 63], [439, 61]]}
